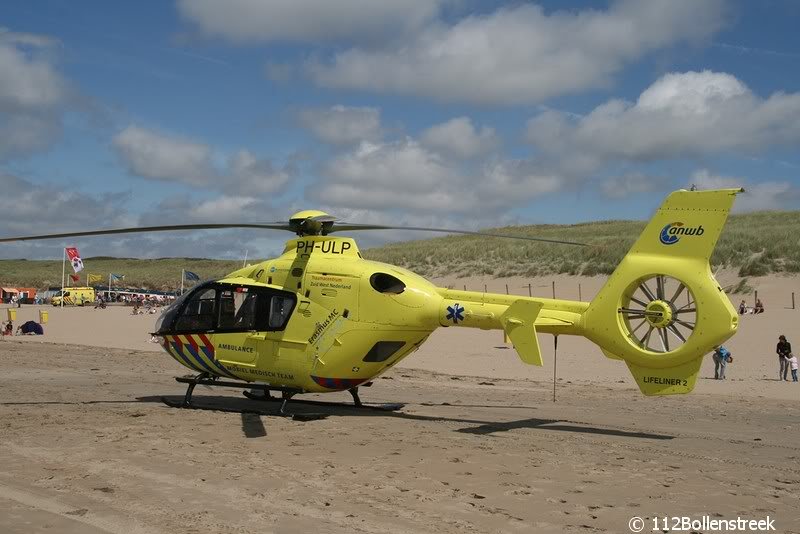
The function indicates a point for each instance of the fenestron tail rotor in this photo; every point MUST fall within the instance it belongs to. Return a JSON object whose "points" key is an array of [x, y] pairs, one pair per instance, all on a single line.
{"points": [[659, 313], [303, 223]]}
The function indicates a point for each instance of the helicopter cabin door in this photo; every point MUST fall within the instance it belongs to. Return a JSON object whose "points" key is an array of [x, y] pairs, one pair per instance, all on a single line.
{"points": [[230, 323], [245, 315]]}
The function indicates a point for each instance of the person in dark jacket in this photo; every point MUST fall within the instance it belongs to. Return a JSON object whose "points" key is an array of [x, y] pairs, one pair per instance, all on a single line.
{"points": [[784, 350]]}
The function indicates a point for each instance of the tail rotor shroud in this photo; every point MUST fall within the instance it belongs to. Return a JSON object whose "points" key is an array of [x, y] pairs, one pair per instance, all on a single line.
{"points": [[659, 313]]}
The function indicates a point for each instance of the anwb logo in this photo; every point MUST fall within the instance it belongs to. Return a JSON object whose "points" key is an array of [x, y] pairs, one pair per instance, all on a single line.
{"points": [[672, 232]]}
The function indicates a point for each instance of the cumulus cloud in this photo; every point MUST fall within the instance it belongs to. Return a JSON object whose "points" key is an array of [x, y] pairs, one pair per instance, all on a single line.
{"points": [[244, 21], [690, 114], [406, 175], [387, 175], [459, 137], [33, 94], [341, 125], [159, 156], [767, 195], [150, 154], [51, 208], [622, 185], [256, 176], [521, 54]]}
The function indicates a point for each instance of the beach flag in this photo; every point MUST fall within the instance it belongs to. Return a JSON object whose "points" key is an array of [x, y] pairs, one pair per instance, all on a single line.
{"points": [[94, 278], [75, 259], [75, 278], [117, 277], [189, 275]]}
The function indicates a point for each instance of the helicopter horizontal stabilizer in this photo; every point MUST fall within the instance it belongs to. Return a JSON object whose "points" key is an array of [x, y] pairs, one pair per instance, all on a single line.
{"points": [[519, 325]]}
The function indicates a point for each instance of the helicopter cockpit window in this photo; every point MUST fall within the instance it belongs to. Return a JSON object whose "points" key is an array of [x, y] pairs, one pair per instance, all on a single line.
{"points": [[243, 308], [229, 308], [199, 313]]}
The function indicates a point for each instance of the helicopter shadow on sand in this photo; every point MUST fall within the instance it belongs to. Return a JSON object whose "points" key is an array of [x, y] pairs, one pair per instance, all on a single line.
{"points": [[309, 410]]}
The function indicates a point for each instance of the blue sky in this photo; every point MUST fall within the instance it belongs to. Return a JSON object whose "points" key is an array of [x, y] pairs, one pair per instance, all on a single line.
{"points": [[454, 113]]}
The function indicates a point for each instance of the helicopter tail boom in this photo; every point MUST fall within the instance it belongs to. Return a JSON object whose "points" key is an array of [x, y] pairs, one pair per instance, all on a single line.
{"points": [[660, 311]]}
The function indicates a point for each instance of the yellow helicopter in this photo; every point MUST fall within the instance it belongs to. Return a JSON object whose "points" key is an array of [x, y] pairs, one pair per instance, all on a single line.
{"points": [[320, 318]]}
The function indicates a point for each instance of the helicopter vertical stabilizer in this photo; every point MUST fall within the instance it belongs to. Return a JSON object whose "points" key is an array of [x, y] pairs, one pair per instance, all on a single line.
{"points": [[662, 310], [519, 325]]}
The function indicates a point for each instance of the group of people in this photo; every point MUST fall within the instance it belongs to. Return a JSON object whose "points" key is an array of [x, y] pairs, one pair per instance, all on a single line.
{"points": [[14, 300], [758, 308], [27, 328], [786, 360], [146, 306]]}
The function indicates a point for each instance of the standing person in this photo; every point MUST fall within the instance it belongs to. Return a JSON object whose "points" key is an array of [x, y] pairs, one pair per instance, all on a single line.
{"points": [[793, 364], [784, 350], [721, 355]]}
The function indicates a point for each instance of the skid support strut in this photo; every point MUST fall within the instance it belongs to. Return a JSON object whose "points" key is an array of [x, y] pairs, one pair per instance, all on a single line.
{"points": [[354, 393]]}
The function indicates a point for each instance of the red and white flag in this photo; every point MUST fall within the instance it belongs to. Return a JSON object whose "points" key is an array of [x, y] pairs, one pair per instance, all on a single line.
{"points": [[75, 259]]}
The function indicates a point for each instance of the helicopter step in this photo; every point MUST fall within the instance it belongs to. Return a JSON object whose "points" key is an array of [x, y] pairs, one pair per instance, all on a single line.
{"points": [[249, 389]]}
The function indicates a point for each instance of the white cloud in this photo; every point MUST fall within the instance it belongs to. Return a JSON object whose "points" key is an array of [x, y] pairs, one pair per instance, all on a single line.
{"points": [[459, 137], [406, 175], [33, 95], [343, 125], [51, 208], [255, 176], [388, 175], [243, 21], [159, 156], [690, 114], [511, 182], [522, 54], [767, 195], [622, 185], [28, 81]]}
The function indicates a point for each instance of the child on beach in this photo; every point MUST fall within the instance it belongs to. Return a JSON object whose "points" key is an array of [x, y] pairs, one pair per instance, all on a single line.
{"points": [[793, 363]]}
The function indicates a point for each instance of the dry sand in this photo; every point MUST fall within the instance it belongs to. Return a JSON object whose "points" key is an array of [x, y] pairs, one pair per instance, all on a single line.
{"points": [[86, 445]]}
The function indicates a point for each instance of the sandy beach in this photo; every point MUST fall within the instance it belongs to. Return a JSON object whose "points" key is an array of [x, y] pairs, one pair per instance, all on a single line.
{"points": [[87, 445]]}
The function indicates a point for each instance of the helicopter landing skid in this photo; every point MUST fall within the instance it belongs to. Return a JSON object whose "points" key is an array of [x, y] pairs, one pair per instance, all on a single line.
{"points": [[249, 389], [204, 379], [386, 407]]}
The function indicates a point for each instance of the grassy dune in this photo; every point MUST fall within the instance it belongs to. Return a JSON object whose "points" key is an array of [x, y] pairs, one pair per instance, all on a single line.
{"points": [[163, 273], [756, 244]]}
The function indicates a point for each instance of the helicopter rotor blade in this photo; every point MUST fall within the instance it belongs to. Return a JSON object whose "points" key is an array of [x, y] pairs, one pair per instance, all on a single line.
{"points": [[345, 227], [328, 222], [140, 229]]}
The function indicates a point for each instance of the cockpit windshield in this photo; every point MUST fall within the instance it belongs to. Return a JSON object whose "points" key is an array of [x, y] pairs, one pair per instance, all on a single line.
{"points": [[219, 307]]}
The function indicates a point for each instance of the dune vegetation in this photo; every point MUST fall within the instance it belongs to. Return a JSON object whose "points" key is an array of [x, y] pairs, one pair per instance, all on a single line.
{"points": [[755, 244], [162, 273]]}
